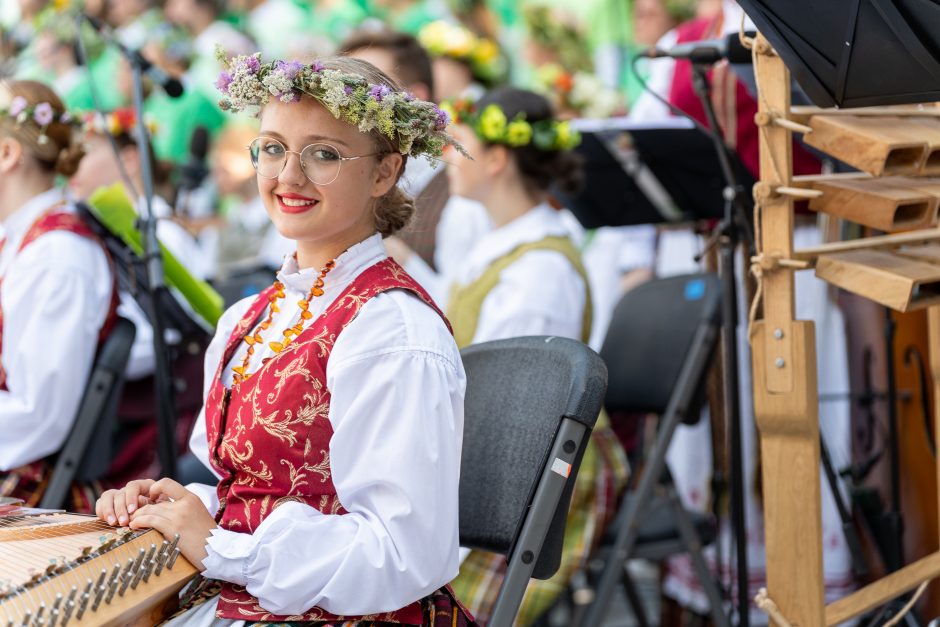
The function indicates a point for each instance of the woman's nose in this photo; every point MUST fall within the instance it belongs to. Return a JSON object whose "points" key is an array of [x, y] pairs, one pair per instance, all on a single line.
{"points": [[293, 172]]}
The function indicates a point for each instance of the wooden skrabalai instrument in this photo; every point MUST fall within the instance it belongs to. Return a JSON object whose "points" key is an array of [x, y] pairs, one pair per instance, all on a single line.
{"points": [[71, 570]]}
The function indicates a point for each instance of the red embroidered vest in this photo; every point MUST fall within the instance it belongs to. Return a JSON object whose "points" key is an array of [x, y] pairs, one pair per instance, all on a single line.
{"points": [[269, 437], [57, 220]]}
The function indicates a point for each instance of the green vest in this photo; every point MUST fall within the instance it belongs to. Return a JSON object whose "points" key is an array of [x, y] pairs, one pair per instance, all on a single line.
{"points": [[466, 301]]}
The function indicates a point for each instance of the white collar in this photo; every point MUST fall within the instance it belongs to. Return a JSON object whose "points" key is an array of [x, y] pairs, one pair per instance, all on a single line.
{"points": [[16, 225], [535, 224], [349, 265]]}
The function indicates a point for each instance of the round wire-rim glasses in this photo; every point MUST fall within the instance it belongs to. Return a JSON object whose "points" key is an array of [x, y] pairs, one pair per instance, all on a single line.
{"points": [[315, 159]]}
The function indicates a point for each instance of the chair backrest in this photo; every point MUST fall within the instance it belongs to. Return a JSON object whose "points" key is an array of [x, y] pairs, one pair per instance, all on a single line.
{"points": [[530, 405], [651, 332], [86, 453]]}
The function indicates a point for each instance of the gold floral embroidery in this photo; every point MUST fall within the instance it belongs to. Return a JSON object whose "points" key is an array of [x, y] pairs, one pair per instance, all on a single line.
{"points": [[296, 367]]}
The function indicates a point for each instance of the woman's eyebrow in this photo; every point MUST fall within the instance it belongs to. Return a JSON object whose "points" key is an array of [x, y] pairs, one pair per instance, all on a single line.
{"points": [[308, 138]]}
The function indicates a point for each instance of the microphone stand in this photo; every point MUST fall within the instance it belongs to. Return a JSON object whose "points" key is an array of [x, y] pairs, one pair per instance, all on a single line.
{"points": [[729, 229], [155, 284]]}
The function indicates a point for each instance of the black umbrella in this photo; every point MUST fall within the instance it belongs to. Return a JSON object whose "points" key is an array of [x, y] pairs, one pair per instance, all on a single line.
{"points": [[856, 53]]}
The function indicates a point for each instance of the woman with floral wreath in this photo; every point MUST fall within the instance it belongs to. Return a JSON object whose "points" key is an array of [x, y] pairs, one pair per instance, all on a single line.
{"points": [[334, 399], [525, 277], [57, 292]]}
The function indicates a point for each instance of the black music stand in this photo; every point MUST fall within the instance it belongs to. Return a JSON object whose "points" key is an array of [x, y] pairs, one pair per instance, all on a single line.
{"points": [[856, 53], [642, 173]]}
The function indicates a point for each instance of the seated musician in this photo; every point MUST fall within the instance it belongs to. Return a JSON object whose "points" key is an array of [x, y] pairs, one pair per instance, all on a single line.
{"points": [[57, 291], [525, 277], [334, 402]]}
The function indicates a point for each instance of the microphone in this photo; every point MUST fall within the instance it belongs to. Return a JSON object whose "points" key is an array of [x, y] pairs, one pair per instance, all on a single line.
{"points": [[706, 51], [191, 202], [172, 86], [195, 170]]}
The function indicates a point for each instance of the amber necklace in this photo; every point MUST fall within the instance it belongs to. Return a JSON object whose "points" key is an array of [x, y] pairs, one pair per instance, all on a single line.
{"points": [[240, 373]]}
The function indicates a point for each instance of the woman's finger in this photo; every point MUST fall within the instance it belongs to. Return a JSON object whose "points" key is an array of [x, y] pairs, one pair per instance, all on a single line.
{"points": [[133, 490], [167, 488], [104, 507]]}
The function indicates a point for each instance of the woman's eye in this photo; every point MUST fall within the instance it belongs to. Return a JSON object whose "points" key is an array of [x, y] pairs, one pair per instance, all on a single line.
{"points": [[324, 154], [273, 149]]}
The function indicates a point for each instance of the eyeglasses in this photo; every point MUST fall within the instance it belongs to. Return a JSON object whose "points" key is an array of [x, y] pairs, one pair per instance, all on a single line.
{"points": [[320, 162]]}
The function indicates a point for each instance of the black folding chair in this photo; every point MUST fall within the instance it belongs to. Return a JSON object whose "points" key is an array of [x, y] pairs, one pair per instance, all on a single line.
{"points": [[87, 453], [530, 406], [661, 341]]}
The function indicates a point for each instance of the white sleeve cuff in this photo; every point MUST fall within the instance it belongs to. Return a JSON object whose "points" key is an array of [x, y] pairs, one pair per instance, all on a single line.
{"points": [[228, 553]]}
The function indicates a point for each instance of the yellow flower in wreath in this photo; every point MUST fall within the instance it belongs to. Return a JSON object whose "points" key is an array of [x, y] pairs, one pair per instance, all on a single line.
{"points": [[519, 133], [492, 123], [565, 137]]}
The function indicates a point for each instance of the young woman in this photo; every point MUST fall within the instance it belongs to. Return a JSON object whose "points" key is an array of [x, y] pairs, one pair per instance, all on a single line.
{"points": [[57, 292], [525, 277], [334, 399]]}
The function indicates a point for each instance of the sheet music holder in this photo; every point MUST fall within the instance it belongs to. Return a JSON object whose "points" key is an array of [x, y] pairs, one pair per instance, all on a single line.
{"points": [[648, 173]]}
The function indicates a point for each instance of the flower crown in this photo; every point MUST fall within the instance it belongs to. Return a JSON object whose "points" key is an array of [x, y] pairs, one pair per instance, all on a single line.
{"points": [[42, 114], [443, 39], [549, 29], [581, 92], [416, 126], [492, 126], [118, 122]]}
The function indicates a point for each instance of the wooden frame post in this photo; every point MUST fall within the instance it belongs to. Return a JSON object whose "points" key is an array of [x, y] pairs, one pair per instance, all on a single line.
{"points": [[785, 385]]}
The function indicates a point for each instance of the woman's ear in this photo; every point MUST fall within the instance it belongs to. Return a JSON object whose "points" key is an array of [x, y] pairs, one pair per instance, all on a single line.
{"points": [[386, 174], [131, 158], [11, 154], [496, 159]]}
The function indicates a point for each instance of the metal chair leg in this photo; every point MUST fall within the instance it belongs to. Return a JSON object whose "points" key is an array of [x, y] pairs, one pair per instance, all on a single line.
{"points": [[636, 604]]}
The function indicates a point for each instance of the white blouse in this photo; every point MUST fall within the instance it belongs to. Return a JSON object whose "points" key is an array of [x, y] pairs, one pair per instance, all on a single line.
{"points": [[397, 386], [55, 297], [540, 294]]}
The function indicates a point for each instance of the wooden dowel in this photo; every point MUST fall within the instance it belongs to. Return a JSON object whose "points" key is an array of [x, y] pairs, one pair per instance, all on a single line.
{"points": [[883, 590], [798, 192], [880, 241], [801, 114]]}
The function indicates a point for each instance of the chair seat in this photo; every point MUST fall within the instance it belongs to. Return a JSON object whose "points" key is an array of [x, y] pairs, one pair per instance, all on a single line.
{"points": [[659, 535]]}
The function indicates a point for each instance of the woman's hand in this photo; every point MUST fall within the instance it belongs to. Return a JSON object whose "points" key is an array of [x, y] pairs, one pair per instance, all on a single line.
{"points": [[171, 510], [116, 506]]}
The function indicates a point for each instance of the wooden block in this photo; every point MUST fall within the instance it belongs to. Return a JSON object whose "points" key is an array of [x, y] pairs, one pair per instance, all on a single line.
{"points": [[898, 280], [879, 146], [877, 203], [931, 130]]}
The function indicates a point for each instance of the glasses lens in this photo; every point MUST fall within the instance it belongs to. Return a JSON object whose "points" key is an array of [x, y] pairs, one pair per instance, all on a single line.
{"points": [[321, 163], [268, 156]]}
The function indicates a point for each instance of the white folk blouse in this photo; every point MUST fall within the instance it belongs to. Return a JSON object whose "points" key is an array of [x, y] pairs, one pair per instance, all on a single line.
{"points": [[540, 294], [55, 297]]}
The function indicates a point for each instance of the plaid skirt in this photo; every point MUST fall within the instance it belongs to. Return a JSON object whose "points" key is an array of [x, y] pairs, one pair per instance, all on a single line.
{"points": [[441, 609], [601, 478], [29, 483]]}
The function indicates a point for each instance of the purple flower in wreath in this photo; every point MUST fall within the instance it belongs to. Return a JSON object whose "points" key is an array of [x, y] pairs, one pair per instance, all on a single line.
{"points": [[348, 90], [253, 64], [290, 68], [18, 105], [378, 92], [317, 67], [223, 82], [43, 114], [442, 119]]}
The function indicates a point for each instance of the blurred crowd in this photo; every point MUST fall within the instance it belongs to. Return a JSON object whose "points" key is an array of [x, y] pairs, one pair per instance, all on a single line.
{"points": [[578, 53]]}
